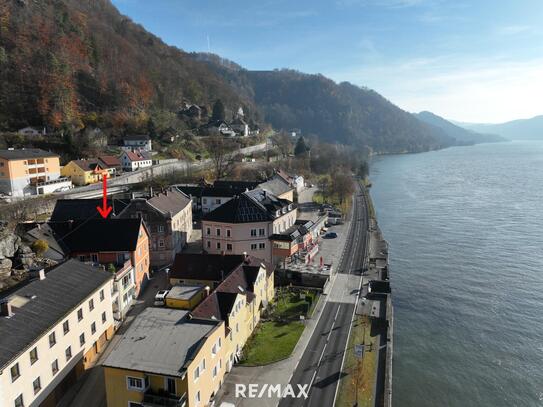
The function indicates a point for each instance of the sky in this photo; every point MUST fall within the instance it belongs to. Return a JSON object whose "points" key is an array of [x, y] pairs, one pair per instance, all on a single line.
{"points": [[473, 61]]}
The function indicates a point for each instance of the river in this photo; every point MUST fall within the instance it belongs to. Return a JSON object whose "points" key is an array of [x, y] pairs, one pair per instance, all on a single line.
{"points": [[465, 228]]}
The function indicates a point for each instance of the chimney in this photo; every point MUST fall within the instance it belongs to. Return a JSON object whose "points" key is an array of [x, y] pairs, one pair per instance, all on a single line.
{"points": [[151, 192], [207, 289], [245, 256], [41, 274], [5, 309]]}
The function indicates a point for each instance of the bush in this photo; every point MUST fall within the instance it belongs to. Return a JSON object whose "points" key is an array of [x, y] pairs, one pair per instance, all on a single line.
{"points": [[40, 247]]}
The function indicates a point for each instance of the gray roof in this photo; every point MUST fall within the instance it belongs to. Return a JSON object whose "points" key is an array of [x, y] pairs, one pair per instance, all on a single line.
{"points": [[65, 287], [160, 341], [276, 186], [25, 153], [184, 292]]}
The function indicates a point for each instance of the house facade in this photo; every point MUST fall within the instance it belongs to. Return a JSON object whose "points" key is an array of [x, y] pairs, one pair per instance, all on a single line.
{"points": [[22, 169], [168, 217], [166, 359], [245, 223], [52, 329], [120, 245], [135, 160], [139, 142], [111, 163], [83, 172]]}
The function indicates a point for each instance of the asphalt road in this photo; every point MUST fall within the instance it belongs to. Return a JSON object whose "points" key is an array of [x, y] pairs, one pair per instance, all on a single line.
{"points": [[320, 365]]}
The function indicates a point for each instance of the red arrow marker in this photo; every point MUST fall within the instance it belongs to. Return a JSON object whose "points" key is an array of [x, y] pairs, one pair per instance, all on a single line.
{"points": [[104, 210]]}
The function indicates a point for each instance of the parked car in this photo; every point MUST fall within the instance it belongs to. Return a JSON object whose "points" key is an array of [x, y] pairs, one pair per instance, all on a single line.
{"points": [[160, 297], [330, 235]]}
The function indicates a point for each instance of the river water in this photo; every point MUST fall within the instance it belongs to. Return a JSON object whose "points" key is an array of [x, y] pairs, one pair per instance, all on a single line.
{"points": [[465, 228]]}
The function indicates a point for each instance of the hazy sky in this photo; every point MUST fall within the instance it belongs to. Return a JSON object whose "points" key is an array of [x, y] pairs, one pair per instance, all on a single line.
{"points": [[478, 61]]}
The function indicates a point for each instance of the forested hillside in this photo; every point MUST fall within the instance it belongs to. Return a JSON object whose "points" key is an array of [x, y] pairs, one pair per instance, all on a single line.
{"points": [[76, 64], [72, 63]]}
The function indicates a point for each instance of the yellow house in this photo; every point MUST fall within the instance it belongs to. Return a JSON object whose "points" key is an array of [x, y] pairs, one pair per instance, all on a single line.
{"points": [[185, 296], [238, 300], [166, 358], [83, 172], [22, 169]]}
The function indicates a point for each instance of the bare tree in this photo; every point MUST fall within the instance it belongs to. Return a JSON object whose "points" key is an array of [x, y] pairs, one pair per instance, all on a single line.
{"points": [[284, 143], [342, 186], [222, 155]]}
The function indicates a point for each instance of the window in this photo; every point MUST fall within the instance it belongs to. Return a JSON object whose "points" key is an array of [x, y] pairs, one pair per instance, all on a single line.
{"points": [[208, 244], [19, 401], [228, 232], [102, 296], [197, 398], [262, 246], [197, 373], [93, 328], [94, 258], [37, 385], [82, 339], [253, 232], [229, 247], [161, 228], [261, 232], [204, 201], [208, 231], [80, 314], [54, 367], [170, 385], [137, 383], [218, 245], [66, 327], [237, 327], [91, 304], [160, 242], [218, 201], [214, 350], [52, 339], [215, 372], [68, 353], [33, 356], [253, 246], [104, 317], [15, 373], [218, 231]]}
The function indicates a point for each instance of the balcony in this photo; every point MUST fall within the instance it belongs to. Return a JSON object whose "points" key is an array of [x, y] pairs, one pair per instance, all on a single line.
{"points": [[152, 399]]}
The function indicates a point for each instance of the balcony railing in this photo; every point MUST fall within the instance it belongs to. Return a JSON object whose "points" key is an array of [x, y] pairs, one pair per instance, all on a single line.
{"points": [[151, 399]]}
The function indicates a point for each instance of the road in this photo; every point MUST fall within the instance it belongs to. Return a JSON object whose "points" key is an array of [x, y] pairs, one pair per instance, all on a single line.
{"points": [[321, 363]]}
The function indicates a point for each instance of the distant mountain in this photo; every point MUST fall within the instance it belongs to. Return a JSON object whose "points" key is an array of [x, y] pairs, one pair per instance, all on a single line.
{"points": [[524, 129], [462, 135], [342, 113]]}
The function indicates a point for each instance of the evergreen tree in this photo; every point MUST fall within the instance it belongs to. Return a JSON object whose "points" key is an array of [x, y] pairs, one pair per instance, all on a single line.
{"points": [[218, 111], [301, 147]]}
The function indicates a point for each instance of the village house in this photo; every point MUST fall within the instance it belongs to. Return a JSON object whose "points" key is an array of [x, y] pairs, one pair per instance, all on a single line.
{"points": [[245, 223], [207, 198], [166, 358], [139, 142], [53, 327], [168, 217], [83, 172], [110, 163], [240, 127], [120, 245], [21, 170], [31, 132], [135, 160], [239, 300]]}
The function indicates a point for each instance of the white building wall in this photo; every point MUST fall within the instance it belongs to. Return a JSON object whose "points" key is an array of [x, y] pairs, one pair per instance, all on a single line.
{"points": [[9, 390]]}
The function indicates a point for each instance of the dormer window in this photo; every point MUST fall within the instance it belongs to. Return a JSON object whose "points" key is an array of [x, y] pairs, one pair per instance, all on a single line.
{"points": [[278, 213]]}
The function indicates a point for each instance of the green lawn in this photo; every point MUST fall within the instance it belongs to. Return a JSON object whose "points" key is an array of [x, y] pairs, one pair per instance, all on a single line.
{"points": [[275, 340], [271, 342]]}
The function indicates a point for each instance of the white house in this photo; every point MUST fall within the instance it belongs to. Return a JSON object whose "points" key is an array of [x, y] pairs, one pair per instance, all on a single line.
{"points": [[31, 131], [137, 142], [134, 160]]}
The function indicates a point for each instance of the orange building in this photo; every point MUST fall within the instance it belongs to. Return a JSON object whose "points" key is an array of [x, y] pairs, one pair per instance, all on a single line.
{"points": [[21, 170], [110, 242]]}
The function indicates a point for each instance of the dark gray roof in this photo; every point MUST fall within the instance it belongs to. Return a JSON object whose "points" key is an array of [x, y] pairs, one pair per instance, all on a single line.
{"points": [[83, 209], [170, 201], [251, 206], [276, 186], [161, 341], [25, 153], [65, 287], [137, 137]]}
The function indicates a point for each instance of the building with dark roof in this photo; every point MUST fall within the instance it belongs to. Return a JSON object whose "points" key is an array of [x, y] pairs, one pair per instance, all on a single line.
{"points": [[52, 328], [121, 245], [137, 142], [245, 223], [166, 358], [83, 209], [168, 217], [22, 169], [83, 172]]}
